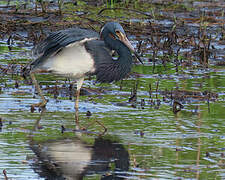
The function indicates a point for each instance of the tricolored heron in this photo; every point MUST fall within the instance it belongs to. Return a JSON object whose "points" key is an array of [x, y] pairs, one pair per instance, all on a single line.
{"points": [[79, 52]]}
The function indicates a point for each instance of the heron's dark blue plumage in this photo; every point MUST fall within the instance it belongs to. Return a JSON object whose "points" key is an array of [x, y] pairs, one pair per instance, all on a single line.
{"points": [[110, 69]]}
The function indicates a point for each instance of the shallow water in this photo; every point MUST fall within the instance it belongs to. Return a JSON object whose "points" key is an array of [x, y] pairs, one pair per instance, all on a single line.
{"points": [[153, 141], [161, 144]]}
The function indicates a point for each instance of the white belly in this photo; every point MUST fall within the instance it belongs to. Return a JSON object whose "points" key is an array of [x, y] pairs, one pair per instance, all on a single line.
{"points": [[73, 60]]}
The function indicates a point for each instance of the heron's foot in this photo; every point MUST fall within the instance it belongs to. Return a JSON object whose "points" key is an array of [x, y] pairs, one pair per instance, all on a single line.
{"points": [[41, 105], [99, 123], [84, 129]]}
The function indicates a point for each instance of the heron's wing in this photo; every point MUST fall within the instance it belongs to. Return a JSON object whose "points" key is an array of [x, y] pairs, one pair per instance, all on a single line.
{"points": [[56, 41], [99, 51]]}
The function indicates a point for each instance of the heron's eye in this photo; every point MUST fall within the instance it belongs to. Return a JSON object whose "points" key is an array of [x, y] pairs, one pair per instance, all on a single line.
{"points": [[112, 36], [119, 34]]}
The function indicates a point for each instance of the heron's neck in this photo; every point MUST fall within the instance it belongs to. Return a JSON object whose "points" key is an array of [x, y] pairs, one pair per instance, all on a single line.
{"points": [[122, 50], [109, 70]]}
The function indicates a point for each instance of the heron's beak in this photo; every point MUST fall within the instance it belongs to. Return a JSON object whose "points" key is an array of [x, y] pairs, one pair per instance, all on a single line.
{"points": [[124, 39]]}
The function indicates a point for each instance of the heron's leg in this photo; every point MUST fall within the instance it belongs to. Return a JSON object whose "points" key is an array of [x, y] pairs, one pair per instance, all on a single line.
{"points": [[79, 84], [44, 101], [37, 122]]}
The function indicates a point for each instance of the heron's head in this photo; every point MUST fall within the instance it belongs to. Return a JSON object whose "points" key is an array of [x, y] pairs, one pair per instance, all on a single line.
{"points": [[116, 31]]}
